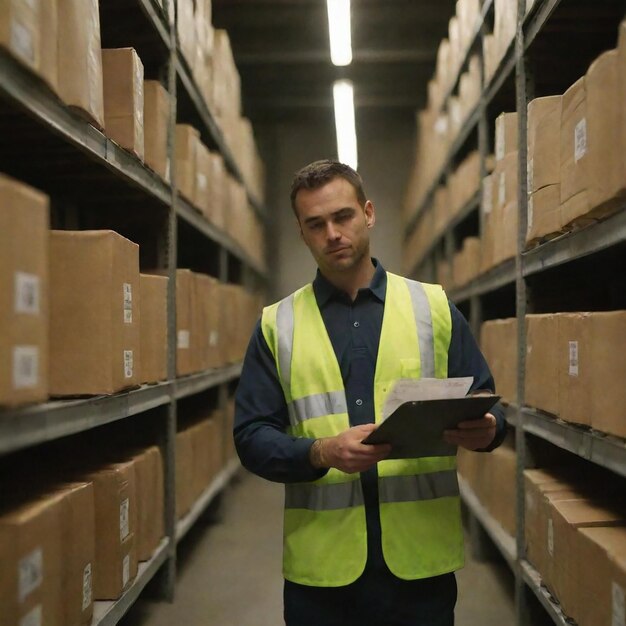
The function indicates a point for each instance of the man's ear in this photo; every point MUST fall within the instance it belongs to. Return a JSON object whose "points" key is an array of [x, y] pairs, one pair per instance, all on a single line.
{"points": [[370, 213]]}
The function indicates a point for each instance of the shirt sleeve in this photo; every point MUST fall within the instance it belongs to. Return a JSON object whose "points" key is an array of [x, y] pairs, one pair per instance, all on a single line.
{"points": [[261, 421], [466, 359]]}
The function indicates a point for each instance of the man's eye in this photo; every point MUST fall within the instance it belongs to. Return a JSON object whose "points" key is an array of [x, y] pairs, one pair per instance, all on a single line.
{"points": [[315, 226]]}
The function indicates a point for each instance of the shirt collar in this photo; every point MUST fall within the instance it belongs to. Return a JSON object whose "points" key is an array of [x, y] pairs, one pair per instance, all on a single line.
{"points": [[324, 290]]}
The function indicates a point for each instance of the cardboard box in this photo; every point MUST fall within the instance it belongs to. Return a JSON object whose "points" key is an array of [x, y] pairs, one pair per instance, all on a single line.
{"points": [[544, 154], [20, 31], [504, 502], [122, 72], [487, 243], [506, 225], [505, 24], [184, 473], [506, 136], [201, 434], [506, 176], [49, 41], [187, 140], [574, 153], [491, 57], [31, 556], [186, 340], [575, 368], [542, 363], [217, 209], [156, 115], [80, 59], [544, 215], [606, 164], [77, 506], [600, 555], [566, 516], [202, 188], [94, 313], [608, 356], [153, 328], [116, 523], [498, 341], [209, 314], [24, 223], [149, 489], [186, 27]]}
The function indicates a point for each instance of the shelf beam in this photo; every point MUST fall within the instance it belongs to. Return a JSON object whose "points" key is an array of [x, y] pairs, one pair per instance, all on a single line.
{"points": [[500, 276], [196, 383], [533, 580]]}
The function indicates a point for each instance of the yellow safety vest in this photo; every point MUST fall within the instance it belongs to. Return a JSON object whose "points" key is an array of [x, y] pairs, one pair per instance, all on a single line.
{"points": [[325, 538]]}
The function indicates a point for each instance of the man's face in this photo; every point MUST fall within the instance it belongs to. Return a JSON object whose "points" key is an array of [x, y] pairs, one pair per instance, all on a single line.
{"points": [[334, 226]]}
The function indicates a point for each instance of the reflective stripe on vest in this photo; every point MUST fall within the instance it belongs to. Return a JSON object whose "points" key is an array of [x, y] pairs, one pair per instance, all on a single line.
{"points": [[325, 541]]}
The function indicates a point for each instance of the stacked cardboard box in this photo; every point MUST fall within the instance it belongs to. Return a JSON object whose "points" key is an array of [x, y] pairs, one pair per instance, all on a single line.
{"points": [[153, 331], [577, 376], [156, 114], [94, 313], [470, 88], [464, 182], [24, 223], [122, 72], [505, 25], [498, 342], [466, 262]]}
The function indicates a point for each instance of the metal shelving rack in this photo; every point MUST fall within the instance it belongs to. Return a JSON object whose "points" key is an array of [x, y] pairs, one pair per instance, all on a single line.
{"points": [[109, 172], [545, 19]]}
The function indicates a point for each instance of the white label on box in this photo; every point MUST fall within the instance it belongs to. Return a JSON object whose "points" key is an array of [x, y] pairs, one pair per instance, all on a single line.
{"points": [[531, 210], [22, 41], [441, 125], [25, 367], [201, 182], [124, 519], [487, 195], [550, 537], [619, 606], [573, 358], [580, 140], [32, 618], [30, 569], [128, 303], [500, 139], [125, 570], [213, 338], [87, 593], [183, 339], [502, 189], [529, 174], [128, 363], [26, 293]]}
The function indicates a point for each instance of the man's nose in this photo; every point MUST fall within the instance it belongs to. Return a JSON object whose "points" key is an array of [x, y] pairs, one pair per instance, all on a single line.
{"points": [[331, 232]]}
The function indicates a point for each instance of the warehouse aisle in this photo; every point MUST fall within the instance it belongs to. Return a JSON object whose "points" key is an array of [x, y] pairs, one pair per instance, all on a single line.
{"points": [[229, 571]]}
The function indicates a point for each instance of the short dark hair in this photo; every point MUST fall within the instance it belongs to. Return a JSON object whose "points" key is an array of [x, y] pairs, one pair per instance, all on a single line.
{"points": [[319, 173]]}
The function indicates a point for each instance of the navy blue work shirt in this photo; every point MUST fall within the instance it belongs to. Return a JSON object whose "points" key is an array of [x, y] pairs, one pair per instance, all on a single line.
{"points": [[354, 328]]}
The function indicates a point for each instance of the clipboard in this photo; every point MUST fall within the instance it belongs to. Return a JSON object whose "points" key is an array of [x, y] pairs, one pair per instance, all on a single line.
{"points": [[415, 429]]}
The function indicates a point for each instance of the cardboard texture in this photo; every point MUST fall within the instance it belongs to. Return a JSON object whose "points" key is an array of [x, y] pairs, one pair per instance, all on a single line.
{"points": [[505, 225], [153, 328], [565, 517], [203, 189], [187, 140], [31, 555], [490, 56], [49, 41], [80, 59], [24, 223], [467, 262], [575, 368], [186, 339], [149, 501], [505, 24], [506, 135], [544, 154], [94, 313], [217, 209], [209, 315], [201, 434], [156, 114], [20, 31], [122, 72], [608, 356], [542, 363], [544, 214], [77, 507], [506, 178], [503, 505], [185, 24], [498, 342], [599, 573], [184, 472], [116, 526], [574, 153]]}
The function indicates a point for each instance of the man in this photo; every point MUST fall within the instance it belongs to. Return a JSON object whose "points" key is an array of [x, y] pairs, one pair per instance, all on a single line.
{"points": [[367, 542]]}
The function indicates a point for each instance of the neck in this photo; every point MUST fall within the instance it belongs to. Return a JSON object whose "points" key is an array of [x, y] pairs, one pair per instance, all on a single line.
{"points": [[355, 278]]}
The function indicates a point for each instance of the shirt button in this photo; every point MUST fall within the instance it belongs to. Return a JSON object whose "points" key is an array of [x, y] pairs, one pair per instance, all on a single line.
{"points": [[359, 402], [356, 324]]}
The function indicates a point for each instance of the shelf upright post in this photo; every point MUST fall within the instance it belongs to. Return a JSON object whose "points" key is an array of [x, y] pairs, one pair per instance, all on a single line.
{"points": [[524, 90], [169, 260]]}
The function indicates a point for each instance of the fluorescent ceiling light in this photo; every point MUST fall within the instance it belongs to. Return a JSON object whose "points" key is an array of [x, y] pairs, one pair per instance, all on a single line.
{"points": [[343, 95], [339, 31]]}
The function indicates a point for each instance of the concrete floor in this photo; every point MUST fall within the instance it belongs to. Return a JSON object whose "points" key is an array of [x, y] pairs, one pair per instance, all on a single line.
{"points": [[229, 570]]}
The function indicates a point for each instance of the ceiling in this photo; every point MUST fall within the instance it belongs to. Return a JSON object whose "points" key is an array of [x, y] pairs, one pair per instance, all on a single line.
{"points": [[281, 48]]}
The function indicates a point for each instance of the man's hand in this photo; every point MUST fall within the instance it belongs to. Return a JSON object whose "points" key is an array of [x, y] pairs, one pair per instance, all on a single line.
{"points": [[346, 452], [473, 434]]}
